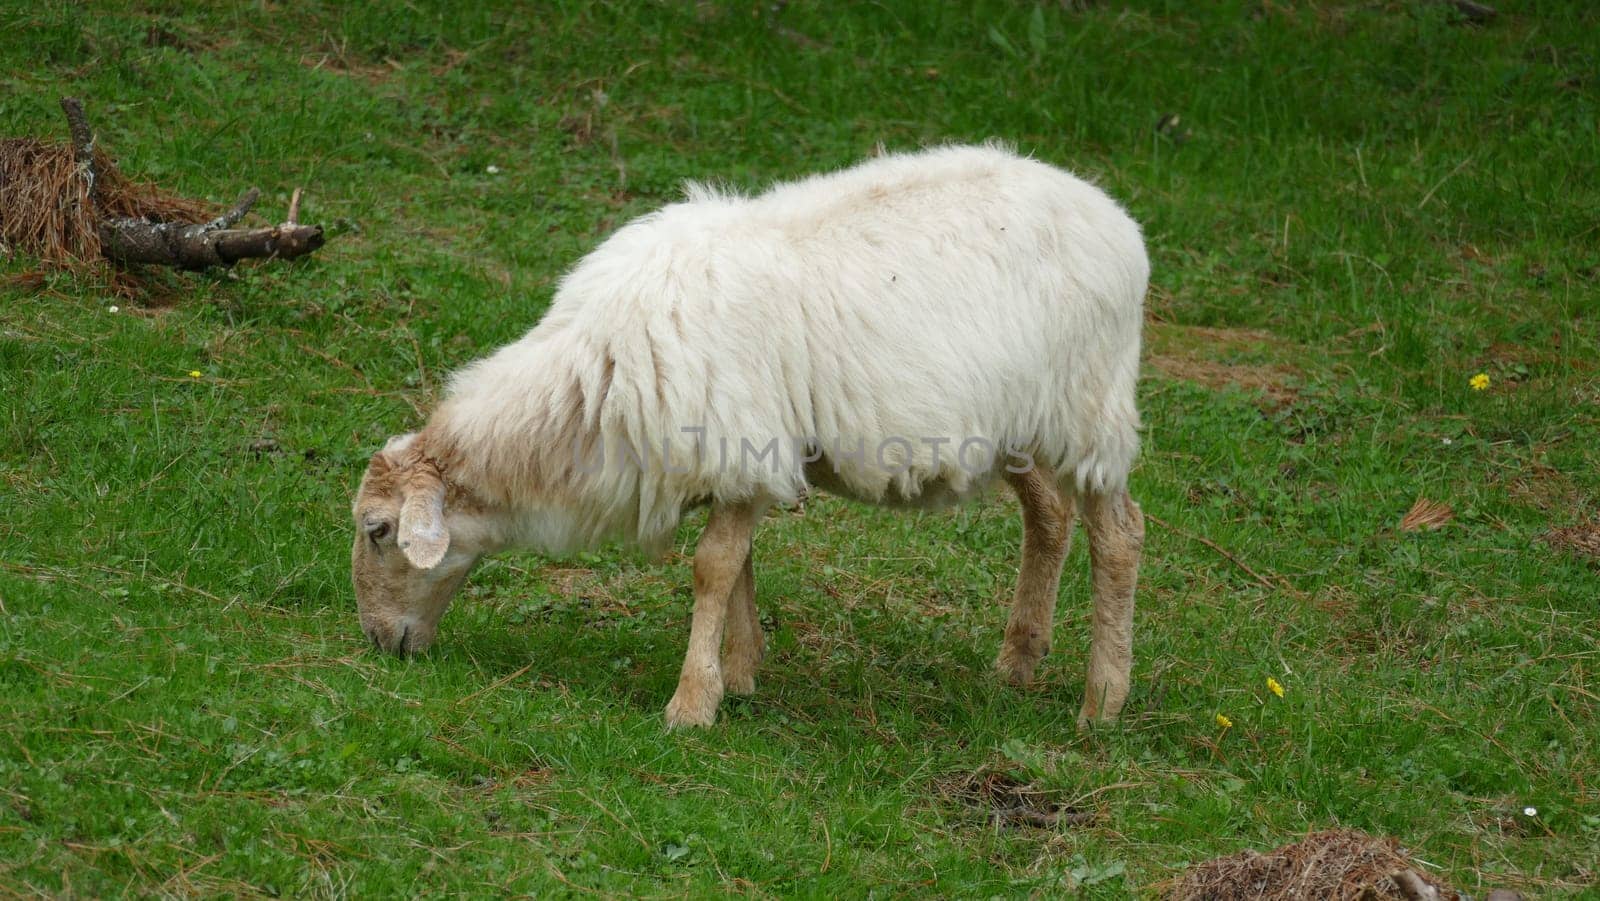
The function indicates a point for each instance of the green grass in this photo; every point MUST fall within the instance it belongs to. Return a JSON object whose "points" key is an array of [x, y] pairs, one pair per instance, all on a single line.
{"points": [[1363, 206]]}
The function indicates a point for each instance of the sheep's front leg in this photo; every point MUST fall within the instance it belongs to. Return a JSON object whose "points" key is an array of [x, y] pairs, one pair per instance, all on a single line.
{"points": [[1116, 538], [719, 561], [745, 645], [1046, 532]]}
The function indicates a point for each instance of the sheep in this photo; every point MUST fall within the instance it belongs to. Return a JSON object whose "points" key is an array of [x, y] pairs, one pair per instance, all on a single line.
{"points": [[905, 332]]}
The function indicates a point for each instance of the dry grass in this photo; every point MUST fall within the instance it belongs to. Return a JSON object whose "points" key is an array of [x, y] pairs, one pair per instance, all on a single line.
{"points": [[1582, 539], [1426, 514], [45, 208], [1003, 799]]}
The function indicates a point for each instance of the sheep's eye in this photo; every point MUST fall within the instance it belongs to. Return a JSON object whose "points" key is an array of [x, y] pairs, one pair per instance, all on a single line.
{"points": [[378, 532]]}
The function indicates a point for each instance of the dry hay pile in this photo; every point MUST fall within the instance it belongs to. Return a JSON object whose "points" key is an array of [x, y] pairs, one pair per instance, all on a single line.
{"points": [[1339, 864], [45, 209]]}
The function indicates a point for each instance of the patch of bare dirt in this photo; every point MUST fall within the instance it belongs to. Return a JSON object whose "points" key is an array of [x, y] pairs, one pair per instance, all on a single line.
{"points": [[1250, 359], [1338, 864]]}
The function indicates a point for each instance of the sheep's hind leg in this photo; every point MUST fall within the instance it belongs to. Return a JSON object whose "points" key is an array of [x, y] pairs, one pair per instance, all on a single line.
{"points": [[719, 561], [1116, 539], [745, 645], [1046, 533]]}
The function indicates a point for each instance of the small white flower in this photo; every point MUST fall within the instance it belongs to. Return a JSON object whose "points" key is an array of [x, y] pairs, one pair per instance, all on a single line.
{"points": [[493, 169], [1448, 442], [111, 309], [1530, 811]]}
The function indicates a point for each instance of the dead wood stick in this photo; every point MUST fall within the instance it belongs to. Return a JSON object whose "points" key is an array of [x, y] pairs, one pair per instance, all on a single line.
{"points": [[294, 209], [214, 243], [202, 246], [82, 141]]}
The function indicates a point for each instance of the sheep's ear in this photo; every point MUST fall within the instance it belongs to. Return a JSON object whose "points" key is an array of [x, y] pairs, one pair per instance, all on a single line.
{"points": [[423, 537], [398, 443]]}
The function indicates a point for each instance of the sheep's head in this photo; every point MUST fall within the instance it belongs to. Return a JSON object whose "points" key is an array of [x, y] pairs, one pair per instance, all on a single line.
{"points": [[415, 543]]}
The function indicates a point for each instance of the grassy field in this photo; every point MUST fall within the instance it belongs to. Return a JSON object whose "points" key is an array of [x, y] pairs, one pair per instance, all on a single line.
{"points": [[1360, 207]]}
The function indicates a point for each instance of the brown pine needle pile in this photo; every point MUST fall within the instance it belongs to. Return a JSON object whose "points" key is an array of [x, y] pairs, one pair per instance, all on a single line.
{"points": [[45, 209], [1426, 514], [1582, 539], [1337, 865]]}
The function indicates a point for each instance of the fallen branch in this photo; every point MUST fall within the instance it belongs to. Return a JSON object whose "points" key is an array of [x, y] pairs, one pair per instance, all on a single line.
{"points": [[71, 206], [202, 245], [189, 246]]}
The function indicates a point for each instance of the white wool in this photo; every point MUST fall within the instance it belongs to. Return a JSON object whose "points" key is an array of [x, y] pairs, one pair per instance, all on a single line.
{"points": [[956, 293]]}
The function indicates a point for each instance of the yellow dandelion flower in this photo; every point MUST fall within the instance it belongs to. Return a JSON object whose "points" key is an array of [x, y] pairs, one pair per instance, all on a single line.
{"points": [[194, 373], [1274, 686], [1224, 722], [1479, 382]]}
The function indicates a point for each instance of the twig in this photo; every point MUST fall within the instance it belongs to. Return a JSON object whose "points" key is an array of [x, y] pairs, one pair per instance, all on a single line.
{"points": [[1219, 549], [1440, 183], [231, 218], [618, 820], [494, 685], [130, 691], [294, 210]]}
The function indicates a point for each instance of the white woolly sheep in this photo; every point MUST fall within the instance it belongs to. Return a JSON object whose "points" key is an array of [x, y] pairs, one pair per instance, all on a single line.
{"points": [[904, 332]]}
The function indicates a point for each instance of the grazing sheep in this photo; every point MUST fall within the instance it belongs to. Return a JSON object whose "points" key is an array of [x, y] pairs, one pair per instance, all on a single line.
{"points": [[904, 332]]}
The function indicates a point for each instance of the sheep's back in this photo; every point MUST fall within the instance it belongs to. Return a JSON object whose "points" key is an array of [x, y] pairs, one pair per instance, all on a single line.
{"points": [[879, 317]]}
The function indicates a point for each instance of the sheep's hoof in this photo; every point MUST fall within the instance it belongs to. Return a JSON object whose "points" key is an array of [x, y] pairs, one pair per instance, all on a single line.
{"points": [[736, 683], [692, 709], [1087, 722], [1015, 667], [1092, 714]]}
